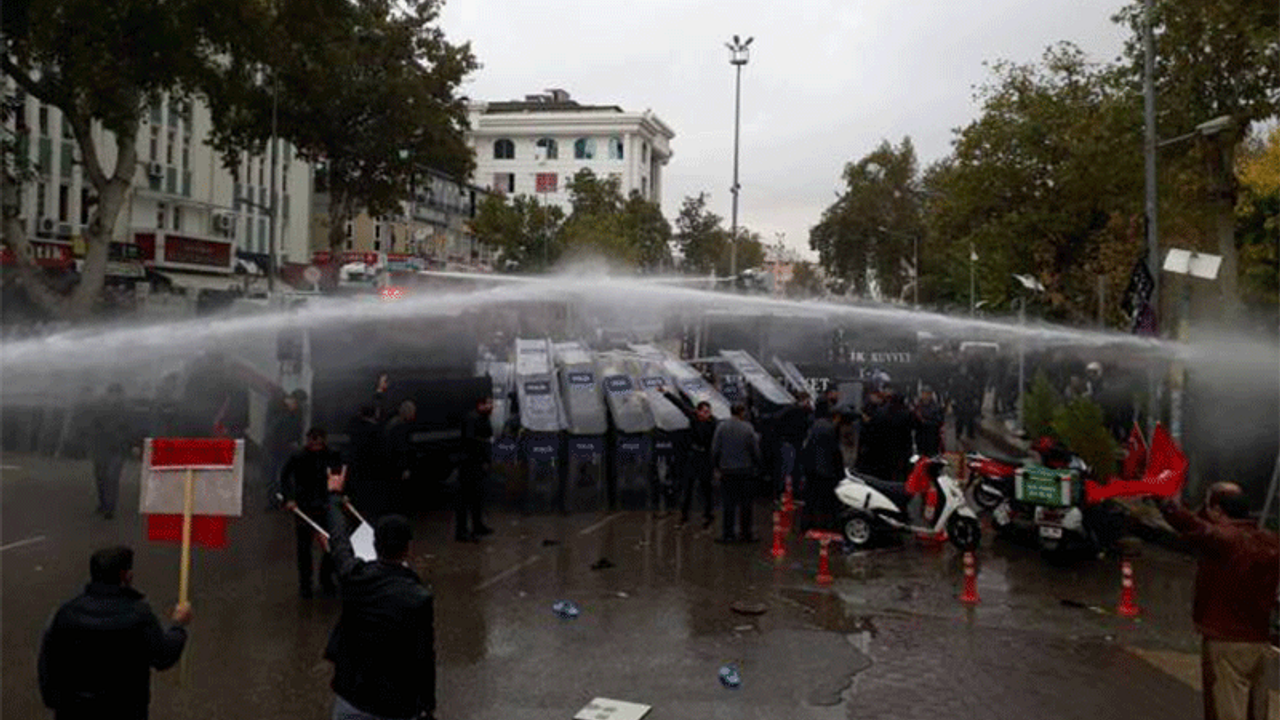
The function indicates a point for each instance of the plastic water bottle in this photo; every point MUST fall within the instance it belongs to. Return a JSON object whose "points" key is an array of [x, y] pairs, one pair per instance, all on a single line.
{"points": [[729, 676], [565, 610]]}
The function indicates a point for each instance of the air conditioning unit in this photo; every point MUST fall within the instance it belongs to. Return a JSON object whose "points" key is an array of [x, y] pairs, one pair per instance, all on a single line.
{"points": [[45, 227], [224, 223], [155, 170]]}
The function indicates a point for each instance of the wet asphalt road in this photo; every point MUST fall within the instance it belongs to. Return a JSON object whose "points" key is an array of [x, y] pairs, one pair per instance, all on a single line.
{"points": [[886, 640]]}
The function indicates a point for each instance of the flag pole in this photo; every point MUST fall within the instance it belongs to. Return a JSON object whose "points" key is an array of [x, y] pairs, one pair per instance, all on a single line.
{"points": [[184, 570]]}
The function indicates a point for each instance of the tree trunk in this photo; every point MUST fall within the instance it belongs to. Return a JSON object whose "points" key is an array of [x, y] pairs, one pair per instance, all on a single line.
{"points": [[79, 303], [340, 212]]}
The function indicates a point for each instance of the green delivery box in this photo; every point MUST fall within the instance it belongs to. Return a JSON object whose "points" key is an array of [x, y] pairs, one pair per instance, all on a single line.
{"points": [[1040, 485]]}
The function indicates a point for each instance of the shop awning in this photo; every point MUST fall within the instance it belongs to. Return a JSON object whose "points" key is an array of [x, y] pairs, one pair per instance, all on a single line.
{"points": [[197, 281]]}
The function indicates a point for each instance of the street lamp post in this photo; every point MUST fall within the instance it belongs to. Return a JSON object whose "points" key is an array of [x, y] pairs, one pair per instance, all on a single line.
{"points": [[1031, 284], [738, 56]]}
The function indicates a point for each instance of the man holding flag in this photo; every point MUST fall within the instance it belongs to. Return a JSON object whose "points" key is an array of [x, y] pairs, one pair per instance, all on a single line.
{"points": [[1236, 582]]}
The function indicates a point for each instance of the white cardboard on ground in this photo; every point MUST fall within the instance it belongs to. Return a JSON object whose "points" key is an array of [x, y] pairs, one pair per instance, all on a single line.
{"points": [[606, 709]]}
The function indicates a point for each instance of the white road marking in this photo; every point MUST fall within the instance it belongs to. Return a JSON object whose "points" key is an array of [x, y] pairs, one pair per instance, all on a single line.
{"points": [[20, 543], [10, 467], [596, 526], [507, 573]]}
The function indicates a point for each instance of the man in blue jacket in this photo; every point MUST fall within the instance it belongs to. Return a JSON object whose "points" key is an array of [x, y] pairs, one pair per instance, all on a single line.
{"points": [[97, 654]]}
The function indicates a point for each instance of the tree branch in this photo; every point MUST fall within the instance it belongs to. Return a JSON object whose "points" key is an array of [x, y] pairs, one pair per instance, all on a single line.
{"points": [[82, 129], [44, 89]]}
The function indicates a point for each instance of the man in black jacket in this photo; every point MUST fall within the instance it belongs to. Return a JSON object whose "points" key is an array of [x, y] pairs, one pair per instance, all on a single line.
{"points": [[697, 467], [473, 471], [383, 647], [303, 482], [97, 654]]}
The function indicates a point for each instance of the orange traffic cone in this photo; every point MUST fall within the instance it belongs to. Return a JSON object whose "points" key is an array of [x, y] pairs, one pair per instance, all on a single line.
{"points": [[1128, 606], [969, 596], [824, 562], [779, 550]]}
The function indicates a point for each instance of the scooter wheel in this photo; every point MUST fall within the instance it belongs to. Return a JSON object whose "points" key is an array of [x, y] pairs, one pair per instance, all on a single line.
{"points": [[965, 532], [986, 499], [859, 529]]}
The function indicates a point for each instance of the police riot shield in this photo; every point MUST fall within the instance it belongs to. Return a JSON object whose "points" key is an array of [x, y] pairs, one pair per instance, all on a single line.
{"points": [[632, 422], [588, 423], [542, 421]]}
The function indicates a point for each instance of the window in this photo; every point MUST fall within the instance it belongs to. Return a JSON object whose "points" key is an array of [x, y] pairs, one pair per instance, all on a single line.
{"points": [[235, 199], [155, 114], [584, 149], [155, 143], [44, 121], [504, 182], [248, 233], [66, 130], [350, 245], [64, 202], [377, 245], [168, 150], [161, 216], [504, 149], [348, 229], [550, 150], [87, 200], [377, 230], [615, 148], [40, 200], [177, 217], [644, 187], [546, 183], [644, 152]]}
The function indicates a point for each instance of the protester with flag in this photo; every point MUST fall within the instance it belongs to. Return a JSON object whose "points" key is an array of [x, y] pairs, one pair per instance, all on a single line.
{"points": [[303, 483], [98, 651], [1236, 583], [383, 647]]}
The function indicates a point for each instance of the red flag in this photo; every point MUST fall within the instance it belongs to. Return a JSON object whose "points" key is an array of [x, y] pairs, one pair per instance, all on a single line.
{"points": [[1135, 458], [1165, 476], [1167, 468], [206, 530]]}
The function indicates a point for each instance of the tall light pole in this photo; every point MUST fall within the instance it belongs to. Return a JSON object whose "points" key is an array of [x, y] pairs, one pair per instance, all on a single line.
{"points": [[738, 56]]}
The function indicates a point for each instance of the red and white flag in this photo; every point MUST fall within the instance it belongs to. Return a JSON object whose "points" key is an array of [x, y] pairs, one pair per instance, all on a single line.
{"points": [[217, 467], [1165, 475], [1135, 457]]}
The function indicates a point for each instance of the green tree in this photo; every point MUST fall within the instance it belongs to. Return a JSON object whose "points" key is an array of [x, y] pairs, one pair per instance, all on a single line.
{"points": [[368, 89], [100, 64], [700, 235], [1258, 220], [526, 231], [1214, 58], [648, 231], [1038, 407], [1081, 425], [1044, 182], [867, 234], [805, 281]]}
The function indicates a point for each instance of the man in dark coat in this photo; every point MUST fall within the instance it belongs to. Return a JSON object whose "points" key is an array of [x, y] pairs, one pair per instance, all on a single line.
{"points": [[284, 438], [303, 482], [473, 472], [109, 444], [824, 467], [873, 450], [366, 460], [697, 472], [928, 420], [400, 456], [383, 647], [791, 425], [97, 654], [735, 453]]}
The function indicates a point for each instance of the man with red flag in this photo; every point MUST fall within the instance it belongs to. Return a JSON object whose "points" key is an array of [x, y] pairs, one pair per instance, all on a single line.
{"points": [[1236, 582]]}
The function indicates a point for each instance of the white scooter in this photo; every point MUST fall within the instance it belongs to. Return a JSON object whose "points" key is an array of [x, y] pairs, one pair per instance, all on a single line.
{"points": [[874, 507]]}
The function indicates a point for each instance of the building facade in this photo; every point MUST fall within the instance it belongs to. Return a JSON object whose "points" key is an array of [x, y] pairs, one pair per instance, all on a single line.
{"points": [[536, 145], [434, 226], [186, 216]]}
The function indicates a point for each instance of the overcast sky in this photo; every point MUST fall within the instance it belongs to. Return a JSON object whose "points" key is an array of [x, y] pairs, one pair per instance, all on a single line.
{"points": [[827, 79]]}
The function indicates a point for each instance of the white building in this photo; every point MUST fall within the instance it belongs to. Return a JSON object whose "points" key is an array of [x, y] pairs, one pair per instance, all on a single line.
{"points": [[186, 216], [536, 145]]}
